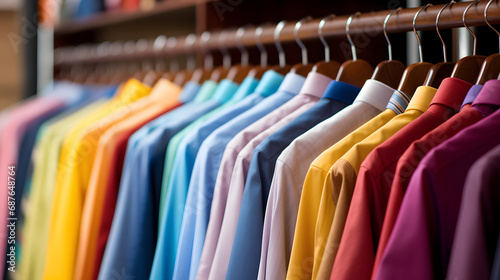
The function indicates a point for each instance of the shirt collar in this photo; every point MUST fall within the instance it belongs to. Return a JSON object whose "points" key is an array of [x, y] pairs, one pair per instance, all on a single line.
{"points": [[488, 99], [206, 91], [375, 93], [189, 91], [421, 98], [247, 86], [269, 84], [399, 102], [292, 83], [451, 93], [315, 84], [224, 91], [471, 95], [341, 91]]}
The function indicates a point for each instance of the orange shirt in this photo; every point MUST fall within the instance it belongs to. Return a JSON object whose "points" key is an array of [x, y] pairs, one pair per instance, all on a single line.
{"points": [[106, 172]]}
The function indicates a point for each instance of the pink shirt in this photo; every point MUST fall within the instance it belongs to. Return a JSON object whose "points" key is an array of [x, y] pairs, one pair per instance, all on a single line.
{"points": [[16, 123], [219, 230]]}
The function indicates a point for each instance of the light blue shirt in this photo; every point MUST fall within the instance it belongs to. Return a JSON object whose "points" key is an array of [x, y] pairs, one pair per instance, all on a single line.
{"points": [[189, 92], [192, 234]]}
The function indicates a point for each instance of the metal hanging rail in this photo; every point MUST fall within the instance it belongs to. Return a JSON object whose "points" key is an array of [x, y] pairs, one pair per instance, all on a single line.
{"points": [[370, 24]]}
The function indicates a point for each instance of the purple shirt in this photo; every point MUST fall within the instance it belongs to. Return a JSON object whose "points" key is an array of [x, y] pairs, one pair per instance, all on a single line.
{"points": [[421, 241], [478, 225]]}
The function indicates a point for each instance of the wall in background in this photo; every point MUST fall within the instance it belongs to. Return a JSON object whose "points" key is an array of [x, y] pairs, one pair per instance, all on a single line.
{"points": [[10, 57]]}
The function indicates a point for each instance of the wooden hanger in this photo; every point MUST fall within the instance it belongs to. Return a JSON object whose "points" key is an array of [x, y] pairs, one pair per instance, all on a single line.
{"points": [[491, 65], [415, 74], [440, 70], [389, 71], [327, 67], [355, 71], [490, 69], [236, 73], [468, 67]]}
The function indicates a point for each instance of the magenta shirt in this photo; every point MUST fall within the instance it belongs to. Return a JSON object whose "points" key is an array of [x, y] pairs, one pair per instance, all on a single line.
{"points": [[478, 226], [422, 238]]}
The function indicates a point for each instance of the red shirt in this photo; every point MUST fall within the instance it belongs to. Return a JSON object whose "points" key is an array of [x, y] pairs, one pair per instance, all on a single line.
{"points": [[356, 253]]}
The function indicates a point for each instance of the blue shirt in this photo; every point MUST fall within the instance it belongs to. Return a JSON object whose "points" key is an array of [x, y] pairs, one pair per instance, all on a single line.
{"points": [[164, 265], [192, 236], [189, 91], [134, 224], [245, 255]]}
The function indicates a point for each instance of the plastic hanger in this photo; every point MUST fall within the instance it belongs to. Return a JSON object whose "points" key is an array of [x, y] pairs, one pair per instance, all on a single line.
{"points": [[239, 72], [329, 68], [304, 67], [467, 68], [282, 68], [491, 65], [258, 71], [440, 70], [389, 71], [355, 71], [415, 74]]}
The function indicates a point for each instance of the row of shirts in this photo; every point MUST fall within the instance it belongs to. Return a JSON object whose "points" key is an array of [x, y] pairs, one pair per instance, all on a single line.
{"points": [[282, 177]]}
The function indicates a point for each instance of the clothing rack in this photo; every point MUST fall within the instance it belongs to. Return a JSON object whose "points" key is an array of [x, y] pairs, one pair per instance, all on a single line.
{"points": [[370, 24]]}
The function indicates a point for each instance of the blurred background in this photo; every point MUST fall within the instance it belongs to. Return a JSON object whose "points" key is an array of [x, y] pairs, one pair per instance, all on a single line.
{"points": [[31, 30]]}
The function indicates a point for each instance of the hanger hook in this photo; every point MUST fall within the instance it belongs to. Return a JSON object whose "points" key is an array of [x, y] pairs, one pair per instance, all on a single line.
{"points": [[244, 53], [389, 45], [299, 42], [466, 26], [437, 27], [226, 58], [277, 32], [208, 64], [320, 34], [347, 27], [189, 43], [260, 46], [174, 64], [488, 23], [420, 53]]}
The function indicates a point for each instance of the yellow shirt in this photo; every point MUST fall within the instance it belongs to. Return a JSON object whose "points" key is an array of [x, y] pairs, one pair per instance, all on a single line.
{"points": [[93, 205], [341, 177], [46, 158], [73, 174]]}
